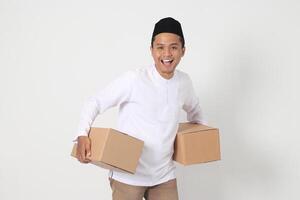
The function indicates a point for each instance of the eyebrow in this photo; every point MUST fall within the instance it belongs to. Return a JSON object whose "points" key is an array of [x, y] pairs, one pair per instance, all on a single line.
{"points": [[175, 43]]}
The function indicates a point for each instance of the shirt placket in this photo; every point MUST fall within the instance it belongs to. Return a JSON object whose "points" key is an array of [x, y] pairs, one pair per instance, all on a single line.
{"points": [[167, 92]]}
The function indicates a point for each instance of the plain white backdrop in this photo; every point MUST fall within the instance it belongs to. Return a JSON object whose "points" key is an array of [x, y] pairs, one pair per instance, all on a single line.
{"points": [[243, 57]]}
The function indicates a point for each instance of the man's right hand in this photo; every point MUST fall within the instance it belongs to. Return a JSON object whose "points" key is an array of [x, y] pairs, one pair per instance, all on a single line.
{"points": [[83, 149]]}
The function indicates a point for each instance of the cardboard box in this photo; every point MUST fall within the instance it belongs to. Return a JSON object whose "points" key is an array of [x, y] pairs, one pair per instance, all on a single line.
{"points": [[112, 149], [196, 143]]}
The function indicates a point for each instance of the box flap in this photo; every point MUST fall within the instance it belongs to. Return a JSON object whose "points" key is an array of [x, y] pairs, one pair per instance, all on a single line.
{"points": [[191, 127]]}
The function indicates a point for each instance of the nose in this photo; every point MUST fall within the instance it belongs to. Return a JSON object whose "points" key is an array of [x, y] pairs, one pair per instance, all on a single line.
{"points": [[167, 52]]}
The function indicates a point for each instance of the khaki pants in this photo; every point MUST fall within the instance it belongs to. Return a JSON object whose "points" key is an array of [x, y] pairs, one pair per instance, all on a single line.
{"points": [[163, 191]]}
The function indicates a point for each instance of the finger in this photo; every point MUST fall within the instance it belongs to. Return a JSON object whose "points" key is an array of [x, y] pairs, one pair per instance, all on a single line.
{"points": [[79, 158], [86, 160], [81, 154], [88, 154], [88, 150], [78, 155]]}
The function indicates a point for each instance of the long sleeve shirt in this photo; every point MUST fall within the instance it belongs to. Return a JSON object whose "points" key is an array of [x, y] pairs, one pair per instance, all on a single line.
{"points": [[149, 109]]}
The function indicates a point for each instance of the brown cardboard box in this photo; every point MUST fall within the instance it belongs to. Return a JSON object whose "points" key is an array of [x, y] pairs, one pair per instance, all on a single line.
{"points": [[112, 149], [196, 143]]}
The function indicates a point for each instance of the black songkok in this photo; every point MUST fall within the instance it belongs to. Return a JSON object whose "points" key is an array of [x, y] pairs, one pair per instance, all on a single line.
{"points": [[168, 25]]}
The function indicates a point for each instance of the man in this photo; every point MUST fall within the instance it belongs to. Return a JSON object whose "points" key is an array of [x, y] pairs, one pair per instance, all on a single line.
{"points": [[150, 100]]}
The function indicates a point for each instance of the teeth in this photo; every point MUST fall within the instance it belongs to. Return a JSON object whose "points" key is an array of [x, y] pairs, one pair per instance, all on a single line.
{"points": [[167, 61]]}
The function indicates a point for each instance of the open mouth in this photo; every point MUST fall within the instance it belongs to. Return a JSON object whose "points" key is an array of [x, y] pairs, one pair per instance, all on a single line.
{"points": [[166, 61]]}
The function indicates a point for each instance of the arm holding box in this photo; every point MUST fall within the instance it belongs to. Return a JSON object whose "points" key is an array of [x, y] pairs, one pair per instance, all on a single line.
{"points": [[191, 104], [116, 93]]}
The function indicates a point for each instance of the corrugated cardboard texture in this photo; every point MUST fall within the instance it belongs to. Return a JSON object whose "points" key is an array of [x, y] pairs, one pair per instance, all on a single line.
{"points": [[112, 149], [196, 144]]}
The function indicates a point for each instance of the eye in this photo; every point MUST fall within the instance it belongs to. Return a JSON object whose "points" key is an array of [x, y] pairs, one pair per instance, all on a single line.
{"points": [[174, 47]]}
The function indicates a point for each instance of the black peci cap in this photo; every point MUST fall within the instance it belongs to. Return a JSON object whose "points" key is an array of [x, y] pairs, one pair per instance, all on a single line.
{"points": [[168, 25]]}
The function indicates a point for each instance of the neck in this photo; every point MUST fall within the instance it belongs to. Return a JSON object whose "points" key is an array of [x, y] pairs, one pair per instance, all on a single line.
{"points": [[166, 75]]}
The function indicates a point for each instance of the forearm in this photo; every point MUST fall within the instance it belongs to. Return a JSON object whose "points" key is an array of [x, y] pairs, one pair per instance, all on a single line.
{"points": [[88, 114], [195, 115]]}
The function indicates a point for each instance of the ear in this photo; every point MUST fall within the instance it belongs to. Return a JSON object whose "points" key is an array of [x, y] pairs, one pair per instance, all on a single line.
{"points": [[183, 51], [151, 50]]}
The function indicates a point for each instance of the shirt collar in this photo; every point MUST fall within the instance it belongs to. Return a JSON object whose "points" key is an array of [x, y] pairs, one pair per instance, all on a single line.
{"points": [[159, 78]]}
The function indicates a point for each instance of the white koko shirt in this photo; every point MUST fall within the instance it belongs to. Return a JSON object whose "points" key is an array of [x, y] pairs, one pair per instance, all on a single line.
{"points": [[149, 108]]}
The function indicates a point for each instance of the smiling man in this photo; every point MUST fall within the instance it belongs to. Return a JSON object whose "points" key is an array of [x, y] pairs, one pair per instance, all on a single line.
{"points": [[150, 100]]}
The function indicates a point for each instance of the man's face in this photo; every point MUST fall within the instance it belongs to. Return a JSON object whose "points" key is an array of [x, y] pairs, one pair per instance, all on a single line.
{"points": [[167, 51]]}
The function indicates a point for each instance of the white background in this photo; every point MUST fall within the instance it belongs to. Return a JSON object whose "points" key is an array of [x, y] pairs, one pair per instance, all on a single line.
{"points": [[243, 57]]}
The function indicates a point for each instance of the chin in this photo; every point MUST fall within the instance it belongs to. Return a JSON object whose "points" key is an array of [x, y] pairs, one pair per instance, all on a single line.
{"points": [[169, 69]]}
